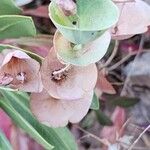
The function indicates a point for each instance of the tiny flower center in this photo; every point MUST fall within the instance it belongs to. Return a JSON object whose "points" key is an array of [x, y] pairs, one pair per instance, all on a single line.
{"points": [[21, 77], [14, 72], [60, 74], [57, 77]]}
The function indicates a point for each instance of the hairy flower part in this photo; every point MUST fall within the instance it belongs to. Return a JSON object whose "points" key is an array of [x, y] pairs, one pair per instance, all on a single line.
{"points": [[67, 6], [113, 133], [57, 112], [19, 71], [5, 123], [65, 81], [134, 19]]}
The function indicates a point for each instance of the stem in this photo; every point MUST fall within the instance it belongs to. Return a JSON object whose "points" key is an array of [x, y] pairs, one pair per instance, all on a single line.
{"points": [[120, 62], [139, 51], [114, 52], [125, 59], [103, 141], [131, 147]]}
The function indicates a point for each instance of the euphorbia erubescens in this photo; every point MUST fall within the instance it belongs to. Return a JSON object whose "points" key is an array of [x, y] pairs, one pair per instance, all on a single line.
{"points": [[68, 92], [19, 71], [67, 81], [63, 85], [134, 18]]}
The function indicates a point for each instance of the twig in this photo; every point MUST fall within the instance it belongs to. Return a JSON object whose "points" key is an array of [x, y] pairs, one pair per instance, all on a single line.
{"points": [[120, 62], [125, 59], [103, 141], [125, 124], [136, 148], [114, 52], [135, 59], [145, 138], [131, 147], [117, 83], [114, 74], [85, 136]]}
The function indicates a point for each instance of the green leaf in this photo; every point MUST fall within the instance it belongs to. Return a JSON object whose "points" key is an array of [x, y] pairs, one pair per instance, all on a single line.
{"points": [[13, 26], [103, 119], [124, 101], [85, 54], [14, 106], [4, 143], [8, 7], [92, 18], [89, 120], [95, 103]]}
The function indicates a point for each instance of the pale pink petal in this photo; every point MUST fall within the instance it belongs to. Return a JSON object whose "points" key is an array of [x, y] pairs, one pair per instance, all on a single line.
{"points": [[57, 113], [19, 71], [134, 19], [14, 53], [77, 81], [34, 85]]}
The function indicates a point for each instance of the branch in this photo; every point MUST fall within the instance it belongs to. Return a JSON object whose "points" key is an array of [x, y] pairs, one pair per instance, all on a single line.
{"points": [[114, 52], [103, 141], [131, 147]]}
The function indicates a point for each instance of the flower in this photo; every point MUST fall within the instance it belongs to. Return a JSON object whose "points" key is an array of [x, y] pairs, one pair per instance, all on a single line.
{"points": [[134, 19], [19, 71], [67, 81], [58, 112]]}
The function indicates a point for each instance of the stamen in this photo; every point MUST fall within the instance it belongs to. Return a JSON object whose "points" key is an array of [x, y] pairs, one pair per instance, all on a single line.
{"points": [[21, 76], [66, 68], [60, 74]]}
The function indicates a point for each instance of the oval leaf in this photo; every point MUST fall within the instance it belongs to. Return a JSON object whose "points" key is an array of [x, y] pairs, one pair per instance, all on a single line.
{"points": [[8, 7], [84, 55], [84, 26], [4, 143], [103, 119], [13, 26], [95, 103], [124, 101]]}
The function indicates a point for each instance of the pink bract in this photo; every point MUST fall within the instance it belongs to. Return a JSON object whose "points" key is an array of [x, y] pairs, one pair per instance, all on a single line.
{"points": [[57, 112]]}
